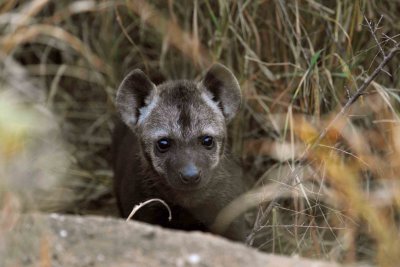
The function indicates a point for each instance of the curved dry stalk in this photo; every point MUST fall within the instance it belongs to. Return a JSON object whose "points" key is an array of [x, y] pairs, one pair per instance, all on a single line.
{"points": [[24, 35], [140, 205]]}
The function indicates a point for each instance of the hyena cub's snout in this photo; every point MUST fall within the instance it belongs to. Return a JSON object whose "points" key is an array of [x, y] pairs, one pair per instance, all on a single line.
{"points": [[193, 172], [190, 174]]}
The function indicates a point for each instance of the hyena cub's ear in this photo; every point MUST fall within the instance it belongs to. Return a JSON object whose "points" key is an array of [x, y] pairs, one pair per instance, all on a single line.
{"points": [[133, 95], [224, 89]]}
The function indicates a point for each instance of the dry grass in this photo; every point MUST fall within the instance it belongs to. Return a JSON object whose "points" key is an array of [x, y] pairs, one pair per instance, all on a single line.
{"points": [[299, 63]]}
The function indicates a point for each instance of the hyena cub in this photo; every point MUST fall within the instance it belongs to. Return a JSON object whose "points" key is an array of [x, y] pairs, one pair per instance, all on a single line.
{"points": [[172, 146]]}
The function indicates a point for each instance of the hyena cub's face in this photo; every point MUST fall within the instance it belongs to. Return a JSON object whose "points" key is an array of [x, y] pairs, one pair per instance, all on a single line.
{"points": [[181, 125]]}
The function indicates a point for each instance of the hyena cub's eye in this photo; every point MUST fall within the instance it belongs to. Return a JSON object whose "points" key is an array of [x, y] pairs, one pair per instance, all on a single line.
{"points": [[207, 141], [163, 145]]}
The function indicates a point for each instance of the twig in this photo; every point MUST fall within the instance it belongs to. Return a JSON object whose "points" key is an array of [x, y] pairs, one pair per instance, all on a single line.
{"points": [[373, 29], [137, 207], [390, 38]]}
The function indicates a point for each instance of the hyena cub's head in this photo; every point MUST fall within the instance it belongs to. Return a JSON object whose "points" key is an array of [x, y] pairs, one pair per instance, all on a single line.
{"points": [[181, 125]]}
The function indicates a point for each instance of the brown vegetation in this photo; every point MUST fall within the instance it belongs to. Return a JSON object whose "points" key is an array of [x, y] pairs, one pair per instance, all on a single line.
{"points": [[318, 132]]}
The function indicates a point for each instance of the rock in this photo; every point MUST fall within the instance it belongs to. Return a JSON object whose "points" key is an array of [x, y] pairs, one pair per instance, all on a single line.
{"points": [[62, 240]]}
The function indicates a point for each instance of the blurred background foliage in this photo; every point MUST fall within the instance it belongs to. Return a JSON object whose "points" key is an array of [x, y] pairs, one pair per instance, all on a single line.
{"points": [[298, 63]]}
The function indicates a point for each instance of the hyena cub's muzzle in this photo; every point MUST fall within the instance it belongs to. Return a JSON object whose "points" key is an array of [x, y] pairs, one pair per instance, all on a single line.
{"points": [[190, 174]]}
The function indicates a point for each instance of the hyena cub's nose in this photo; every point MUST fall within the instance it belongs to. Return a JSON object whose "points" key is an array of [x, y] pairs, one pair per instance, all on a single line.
{"points": [[190, 174]]}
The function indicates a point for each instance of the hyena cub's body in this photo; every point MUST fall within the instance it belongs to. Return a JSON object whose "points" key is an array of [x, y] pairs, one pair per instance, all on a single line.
{"points": [[172, 146]]}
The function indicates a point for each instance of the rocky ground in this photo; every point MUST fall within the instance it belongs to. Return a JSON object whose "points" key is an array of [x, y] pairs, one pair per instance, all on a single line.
{"points": [[60, 240]]}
